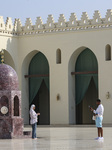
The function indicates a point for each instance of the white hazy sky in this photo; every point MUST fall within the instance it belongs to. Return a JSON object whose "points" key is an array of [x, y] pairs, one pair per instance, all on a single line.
{"points": [[34, 8]]}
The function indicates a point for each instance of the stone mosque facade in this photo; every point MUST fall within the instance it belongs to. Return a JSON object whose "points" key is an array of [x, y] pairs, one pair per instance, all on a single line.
{"points": [[63, 67]]}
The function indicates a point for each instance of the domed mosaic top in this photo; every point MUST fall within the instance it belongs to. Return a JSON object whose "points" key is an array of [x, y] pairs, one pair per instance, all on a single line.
{"points": [[8, 78]]}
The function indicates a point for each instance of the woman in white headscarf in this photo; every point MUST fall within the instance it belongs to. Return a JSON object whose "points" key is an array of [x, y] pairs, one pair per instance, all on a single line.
{"points": [[33, 120]]}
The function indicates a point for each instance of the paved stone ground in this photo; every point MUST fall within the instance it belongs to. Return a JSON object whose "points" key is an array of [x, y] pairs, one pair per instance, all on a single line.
{"points": [[62, 138]]}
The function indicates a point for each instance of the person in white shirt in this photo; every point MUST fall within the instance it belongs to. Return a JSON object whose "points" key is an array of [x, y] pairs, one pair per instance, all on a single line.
{"points": [[99, 118], [33, 120]]}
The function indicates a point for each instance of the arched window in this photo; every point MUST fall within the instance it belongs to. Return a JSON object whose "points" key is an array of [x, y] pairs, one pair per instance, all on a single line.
{"points": [[108, 52], [58, 56], [16, 106]]}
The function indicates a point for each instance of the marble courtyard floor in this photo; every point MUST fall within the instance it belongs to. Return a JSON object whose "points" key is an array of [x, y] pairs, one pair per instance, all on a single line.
{"points": [[61, 138]]}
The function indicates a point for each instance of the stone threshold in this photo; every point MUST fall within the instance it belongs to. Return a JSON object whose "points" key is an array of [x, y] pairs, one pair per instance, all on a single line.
{"points": [[63, 125]]}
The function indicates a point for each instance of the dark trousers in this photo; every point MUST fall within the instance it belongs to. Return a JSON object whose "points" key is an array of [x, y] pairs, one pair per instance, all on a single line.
{"points": [[34, 127]]}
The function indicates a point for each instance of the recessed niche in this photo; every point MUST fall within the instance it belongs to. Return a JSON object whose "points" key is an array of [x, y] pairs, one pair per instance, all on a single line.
{"points": [[108, 52], [16, 106], [58, 56]]}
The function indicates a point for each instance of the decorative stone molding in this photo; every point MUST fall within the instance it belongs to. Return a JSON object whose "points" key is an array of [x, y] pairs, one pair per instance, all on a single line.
{"points": [[96, 18], [50, 22], [108, 17], [62, 25], [61, 21], [18, 25], [84, 19], [72, 20], [9, 24], [28, 25], [39, 24], [2, 23]]}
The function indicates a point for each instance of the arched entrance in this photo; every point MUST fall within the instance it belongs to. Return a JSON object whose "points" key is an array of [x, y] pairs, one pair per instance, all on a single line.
{"points": [[86, 85], [39, 87]]}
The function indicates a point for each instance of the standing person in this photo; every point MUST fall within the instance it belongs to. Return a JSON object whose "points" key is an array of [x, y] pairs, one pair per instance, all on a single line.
{"points": [[99, 118], [33, 120]]}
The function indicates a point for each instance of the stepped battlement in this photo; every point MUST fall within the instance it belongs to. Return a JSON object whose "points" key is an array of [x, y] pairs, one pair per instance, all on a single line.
{"points": [[53, 27]]}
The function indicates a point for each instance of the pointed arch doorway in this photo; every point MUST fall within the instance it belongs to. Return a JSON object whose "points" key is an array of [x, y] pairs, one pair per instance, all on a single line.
{"points": [[86, 85], [39, 87]]}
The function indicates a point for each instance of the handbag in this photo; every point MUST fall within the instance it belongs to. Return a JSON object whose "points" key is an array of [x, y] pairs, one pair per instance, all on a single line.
{"points": [[94, 118]]}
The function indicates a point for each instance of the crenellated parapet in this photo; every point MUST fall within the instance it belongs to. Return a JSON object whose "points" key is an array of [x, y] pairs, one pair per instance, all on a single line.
{"points": [[73, 25]]}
